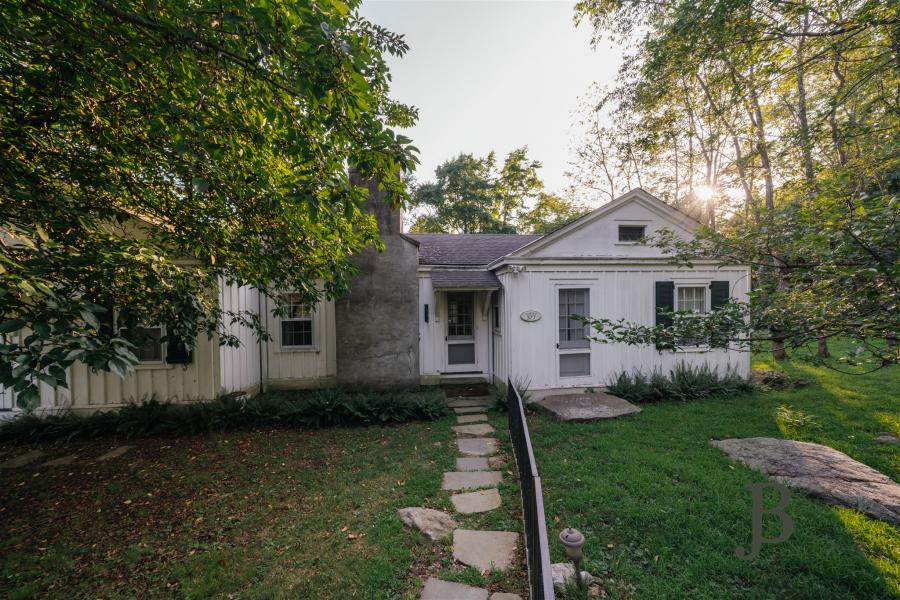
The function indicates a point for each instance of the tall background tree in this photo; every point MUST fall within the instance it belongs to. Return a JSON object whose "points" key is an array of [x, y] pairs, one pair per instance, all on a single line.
{"points": [[777, 123], [472, 195], [224, 127]]}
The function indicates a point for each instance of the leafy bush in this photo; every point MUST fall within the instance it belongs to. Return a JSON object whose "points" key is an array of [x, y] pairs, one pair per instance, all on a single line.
{"points": [[684, 382], [315, 408]]}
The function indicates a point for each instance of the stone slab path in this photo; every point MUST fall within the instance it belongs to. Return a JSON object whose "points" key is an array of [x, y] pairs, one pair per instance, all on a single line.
{"points": [[484, 550], [471, 480], [477, 446], [469, 410], [114, 453], [466, 419], [472, 463], [476, 502], [22, 460], [475, 430]]}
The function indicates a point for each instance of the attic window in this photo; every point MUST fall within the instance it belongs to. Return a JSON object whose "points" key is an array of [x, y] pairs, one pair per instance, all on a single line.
{"points": [[631, 233]]}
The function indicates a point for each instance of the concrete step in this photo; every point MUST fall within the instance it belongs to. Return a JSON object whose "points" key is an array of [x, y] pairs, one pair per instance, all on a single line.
{"points": [[436, 589], [467, 419], [472, 463], [477, 446]]}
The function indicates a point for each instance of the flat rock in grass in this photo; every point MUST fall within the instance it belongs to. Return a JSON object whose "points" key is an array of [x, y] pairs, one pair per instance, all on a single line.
{"points": [[482, 401], [470, 480], [563, 575], [477, 446], [114, 453], [505, 596], [821, 472], [476, 430], [476, 502], [470, 410], [887, 438], [582, 408], [21, 460], [472, 463], [466, 419], [485, 550], [61, 461], [435, 524], [435, 589]]}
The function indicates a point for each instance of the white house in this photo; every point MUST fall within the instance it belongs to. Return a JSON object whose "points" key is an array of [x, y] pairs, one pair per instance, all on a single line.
{"points": [[490, 307]]}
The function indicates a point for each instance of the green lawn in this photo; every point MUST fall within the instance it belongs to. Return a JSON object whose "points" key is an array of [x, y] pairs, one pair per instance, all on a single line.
{"points": [[255, 514], [663, 510]]}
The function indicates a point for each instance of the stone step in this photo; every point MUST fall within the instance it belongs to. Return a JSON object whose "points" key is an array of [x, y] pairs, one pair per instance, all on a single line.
{"points": [[436, 589], [477, 446], [476, 502], [466, 419], [485, 550], [470, 480], [470, 410], [475, 430], [472, 463], [483, 401]]}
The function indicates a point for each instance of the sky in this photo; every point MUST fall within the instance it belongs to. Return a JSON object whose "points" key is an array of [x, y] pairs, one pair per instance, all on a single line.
{"points": [[493, 76]]}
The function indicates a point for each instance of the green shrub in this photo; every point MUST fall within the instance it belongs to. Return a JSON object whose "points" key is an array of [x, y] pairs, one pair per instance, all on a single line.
{"points": [[684, 382], [315, 408]]}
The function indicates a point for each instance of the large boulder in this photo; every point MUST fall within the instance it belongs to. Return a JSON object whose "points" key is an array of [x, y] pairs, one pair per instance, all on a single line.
{"points": [[821, 472]]}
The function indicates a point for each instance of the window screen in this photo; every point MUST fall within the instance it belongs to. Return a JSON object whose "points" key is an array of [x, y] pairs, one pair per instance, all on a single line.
{"points": [[574, 365], [572, 332], [461, 354], [691, 299], [459, 315], [631, 233]]}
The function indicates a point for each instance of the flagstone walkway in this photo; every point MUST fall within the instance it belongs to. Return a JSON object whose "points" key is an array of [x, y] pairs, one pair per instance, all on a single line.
{"points": [[474, 484]]}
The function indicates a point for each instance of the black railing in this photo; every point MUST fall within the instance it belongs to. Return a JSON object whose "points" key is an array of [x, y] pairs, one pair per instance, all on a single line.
{"points": [[537, 547]]}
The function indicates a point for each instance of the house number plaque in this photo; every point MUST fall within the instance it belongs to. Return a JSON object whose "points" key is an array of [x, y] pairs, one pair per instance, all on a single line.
{"points": [[530, 316]]}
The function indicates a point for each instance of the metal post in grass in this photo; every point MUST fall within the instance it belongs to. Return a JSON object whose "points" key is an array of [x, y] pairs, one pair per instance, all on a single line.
{"points": [[573, 541]]}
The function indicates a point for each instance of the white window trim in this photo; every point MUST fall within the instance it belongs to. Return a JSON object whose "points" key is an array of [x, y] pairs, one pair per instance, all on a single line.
{"points": [[557, 290], [313, 318], [707, 300], [618, 242]]}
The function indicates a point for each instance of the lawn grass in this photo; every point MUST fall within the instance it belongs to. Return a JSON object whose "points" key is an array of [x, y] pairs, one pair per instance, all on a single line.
{"points": [[663, 511], [265, 513]]}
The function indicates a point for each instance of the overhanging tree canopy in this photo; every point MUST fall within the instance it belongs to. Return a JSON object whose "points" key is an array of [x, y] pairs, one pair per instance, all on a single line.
{"points": [[226, 126]]}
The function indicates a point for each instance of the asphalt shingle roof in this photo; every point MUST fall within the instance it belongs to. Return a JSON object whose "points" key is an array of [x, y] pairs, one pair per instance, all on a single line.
{"points": [[467, 249], [464, 280]]}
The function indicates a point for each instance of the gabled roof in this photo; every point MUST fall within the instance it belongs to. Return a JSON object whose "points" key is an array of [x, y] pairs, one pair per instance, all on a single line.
{"points": [[647, 199], [473, 249]]}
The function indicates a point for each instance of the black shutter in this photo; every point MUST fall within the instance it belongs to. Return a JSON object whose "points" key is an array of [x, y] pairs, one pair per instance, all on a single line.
{"points": [[665, 302], [177, 353], [718, 294]]}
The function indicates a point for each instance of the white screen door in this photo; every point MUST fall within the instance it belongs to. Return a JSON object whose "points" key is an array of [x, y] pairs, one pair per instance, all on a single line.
{"points": [[460, 332]]}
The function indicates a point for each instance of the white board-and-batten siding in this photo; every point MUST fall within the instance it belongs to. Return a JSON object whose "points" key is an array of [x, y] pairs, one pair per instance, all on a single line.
{"points": [[240, 366], [615, 292], [289, 368]]}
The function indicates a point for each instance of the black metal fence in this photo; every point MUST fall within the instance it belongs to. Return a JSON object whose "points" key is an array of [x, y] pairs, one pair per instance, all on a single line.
{"points": [[537, 546]]}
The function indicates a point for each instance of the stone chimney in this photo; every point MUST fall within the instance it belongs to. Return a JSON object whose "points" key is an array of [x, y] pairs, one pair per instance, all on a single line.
{"points": [[377, 321]]}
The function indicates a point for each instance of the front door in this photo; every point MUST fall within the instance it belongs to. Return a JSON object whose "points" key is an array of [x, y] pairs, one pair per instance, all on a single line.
{"points": [[461, 356]]}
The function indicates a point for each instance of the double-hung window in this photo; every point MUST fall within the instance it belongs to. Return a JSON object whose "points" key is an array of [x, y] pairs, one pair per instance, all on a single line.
{"points": [[296, 324], [691, 300]]}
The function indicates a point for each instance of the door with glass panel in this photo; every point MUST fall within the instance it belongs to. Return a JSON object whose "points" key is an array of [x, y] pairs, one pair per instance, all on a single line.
{"points": [[460, 332], [573, 345]]}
